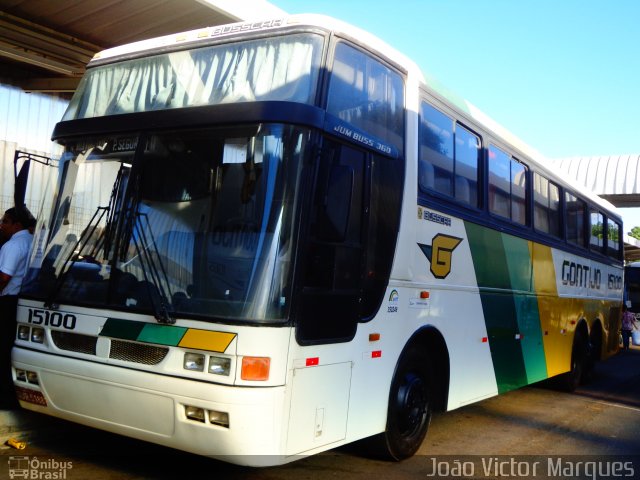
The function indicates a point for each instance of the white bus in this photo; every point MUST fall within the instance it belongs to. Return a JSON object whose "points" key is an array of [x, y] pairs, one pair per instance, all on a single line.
{"points": [[270, 239]]}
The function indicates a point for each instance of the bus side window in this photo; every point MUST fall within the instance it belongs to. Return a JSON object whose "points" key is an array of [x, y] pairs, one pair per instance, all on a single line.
{"points": [[575, 211], [546, 205], [448, 158], [436, 151], [613, 239], [507, 186], [596, 239], [368, 94]]}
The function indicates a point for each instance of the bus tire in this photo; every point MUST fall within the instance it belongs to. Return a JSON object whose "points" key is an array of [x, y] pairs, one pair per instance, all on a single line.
{"points": [[410, 405], [580, 353], [595, 349]]}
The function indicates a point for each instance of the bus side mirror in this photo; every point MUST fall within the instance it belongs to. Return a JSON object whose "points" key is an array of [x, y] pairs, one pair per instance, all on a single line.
{"points": [[20, 184], [333, 213]]}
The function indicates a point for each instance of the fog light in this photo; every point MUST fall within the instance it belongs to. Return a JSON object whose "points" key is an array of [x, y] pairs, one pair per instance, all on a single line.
{"points": [[194, 362], [219, 365], [23, 333], [21, 375], [37, 335], [194, 413], [32, 377], [219, 418]]}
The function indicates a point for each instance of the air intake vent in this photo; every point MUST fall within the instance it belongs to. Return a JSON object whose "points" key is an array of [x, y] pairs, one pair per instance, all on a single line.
{"points": [[137, 352], [74, 342]]}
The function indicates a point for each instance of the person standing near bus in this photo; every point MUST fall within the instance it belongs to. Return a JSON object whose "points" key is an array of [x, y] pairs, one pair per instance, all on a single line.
{"points": [[628, 325], [14, 229]]}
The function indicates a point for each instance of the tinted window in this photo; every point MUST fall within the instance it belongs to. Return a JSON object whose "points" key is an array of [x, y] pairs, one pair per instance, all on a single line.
{"points": [[499, 182], [280, 68], [518, 192], [596, 239], [546, 205], [554, 210], [575, 210], [436, 151], [613, 238], [467, 155], [507, 186], [449, 157], [368, 94]]}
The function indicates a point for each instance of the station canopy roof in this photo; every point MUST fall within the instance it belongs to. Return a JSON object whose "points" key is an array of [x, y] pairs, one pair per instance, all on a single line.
{"points": [[45, 44], [613, 177]]}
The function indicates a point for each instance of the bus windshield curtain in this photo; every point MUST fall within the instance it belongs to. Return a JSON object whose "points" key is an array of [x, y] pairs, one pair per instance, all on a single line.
{"points": [[284, 68]]}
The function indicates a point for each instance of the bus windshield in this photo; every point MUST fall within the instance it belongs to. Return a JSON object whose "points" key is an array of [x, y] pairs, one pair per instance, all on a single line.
{"points": [[176, 224], [282, 68]]}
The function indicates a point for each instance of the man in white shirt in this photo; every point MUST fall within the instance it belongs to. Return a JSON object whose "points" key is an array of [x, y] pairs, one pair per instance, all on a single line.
{"points": [[14, 255]]}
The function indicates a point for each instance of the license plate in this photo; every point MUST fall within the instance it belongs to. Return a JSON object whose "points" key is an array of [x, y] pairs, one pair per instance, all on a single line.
{"points": [[31, 396]]}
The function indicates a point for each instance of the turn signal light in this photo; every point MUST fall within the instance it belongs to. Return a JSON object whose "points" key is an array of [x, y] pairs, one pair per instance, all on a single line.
{"points": [[255, 368]]}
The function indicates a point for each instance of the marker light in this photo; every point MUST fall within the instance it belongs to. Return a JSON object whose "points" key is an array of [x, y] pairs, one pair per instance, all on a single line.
{"points": [[219, 365], [23, 333], [255, 368], [194, 362], [37, 335]]}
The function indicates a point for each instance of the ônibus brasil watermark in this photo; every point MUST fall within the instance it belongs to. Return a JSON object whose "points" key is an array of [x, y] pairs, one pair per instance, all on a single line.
{"points": [[33, 468]]}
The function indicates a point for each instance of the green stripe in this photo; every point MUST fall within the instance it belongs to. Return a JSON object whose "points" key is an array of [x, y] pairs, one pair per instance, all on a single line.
{"points": [[161, 334], [124, 329], [143, 332], [528, 318], [498, 304]]}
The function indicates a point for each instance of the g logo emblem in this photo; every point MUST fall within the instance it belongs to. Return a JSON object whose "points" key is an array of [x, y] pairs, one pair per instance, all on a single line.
{"points": [[439, 253]]}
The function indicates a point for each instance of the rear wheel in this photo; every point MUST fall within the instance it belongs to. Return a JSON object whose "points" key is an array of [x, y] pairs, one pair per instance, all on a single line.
{"points": [[409, 410], [580, 360]]}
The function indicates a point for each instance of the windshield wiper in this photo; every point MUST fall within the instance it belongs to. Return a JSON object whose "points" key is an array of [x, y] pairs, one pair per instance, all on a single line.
{"points": [[104, 240], [152, 269], [82, 242]]}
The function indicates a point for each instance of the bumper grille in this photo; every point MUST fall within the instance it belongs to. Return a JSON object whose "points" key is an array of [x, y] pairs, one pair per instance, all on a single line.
{"points": [[74, 342], [137, 352]]}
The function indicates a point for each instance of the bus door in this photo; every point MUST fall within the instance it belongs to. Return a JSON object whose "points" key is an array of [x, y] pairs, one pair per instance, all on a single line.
{"points": [[330, 296], [329, 306]]}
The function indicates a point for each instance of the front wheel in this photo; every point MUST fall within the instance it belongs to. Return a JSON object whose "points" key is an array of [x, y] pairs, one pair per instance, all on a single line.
{"points": [[409, 410]]}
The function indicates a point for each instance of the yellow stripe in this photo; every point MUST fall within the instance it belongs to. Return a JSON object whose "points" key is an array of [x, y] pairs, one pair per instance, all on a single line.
{"points": [[559, 316], [206, 340], [553, 311]]}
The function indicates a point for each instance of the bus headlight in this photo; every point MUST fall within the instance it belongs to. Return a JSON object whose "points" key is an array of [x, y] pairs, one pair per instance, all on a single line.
{"points": [[37, 335], [193, 362], [23, 333], [219, 365]]}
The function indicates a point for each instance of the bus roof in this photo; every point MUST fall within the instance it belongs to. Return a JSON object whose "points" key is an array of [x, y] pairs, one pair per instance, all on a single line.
{"points": [[204, 36]]}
